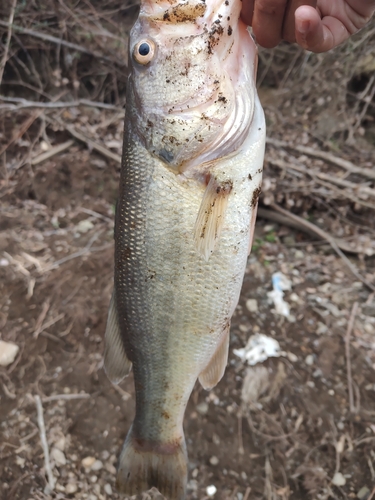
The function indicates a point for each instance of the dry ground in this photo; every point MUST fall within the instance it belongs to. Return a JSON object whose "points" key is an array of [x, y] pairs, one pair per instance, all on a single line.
{"points": [[301, 426]]}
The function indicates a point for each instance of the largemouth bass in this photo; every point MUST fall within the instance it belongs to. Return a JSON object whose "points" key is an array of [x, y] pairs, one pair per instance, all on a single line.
{"points": [[190, 181]]}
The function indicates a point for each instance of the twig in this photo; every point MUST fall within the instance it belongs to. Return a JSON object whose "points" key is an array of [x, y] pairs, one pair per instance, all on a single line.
{"points": [[92, 144], [347, 353], [247, 493], [9, 36], [25, 104], [43, 439], [323, 155], [74, 255], [41, 318], [95, 214], [52, 152], [66, 397], [265, 213], [53, 39], [372, 495], [318, 231], [330, 178]]}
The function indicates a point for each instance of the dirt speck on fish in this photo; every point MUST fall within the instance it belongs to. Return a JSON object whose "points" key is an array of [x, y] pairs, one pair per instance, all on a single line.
{"points": [[190, 180]]}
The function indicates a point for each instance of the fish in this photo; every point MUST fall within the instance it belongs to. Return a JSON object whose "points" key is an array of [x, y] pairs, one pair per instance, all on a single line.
{"points": [[193, 150]]}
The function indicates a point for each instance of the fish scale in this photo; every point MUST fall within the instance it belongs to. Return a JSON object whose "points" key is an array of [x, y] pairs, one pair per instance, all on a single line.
{"points": [[183, 229]]}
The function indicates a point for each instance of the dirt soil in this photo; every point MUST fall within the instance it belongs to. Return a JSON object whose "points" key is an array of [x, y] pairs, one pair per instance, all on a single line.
{"points": [[291, 435], [294, 427]]}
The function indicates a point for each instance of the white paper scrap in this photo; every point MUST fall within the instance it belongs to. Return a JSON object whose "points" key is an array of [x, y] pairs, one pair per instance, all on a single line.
{"points": [[259, 348]]}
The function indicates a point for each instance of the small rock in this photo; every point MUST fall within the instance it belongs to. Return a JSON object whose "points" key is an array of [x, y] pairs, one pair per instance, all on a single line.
{"points": [[108, 489], [338, 479], [299, 254], [97, 465], [292, 357], [84, 226], [309, 360], [202, 408], [88, 462], [8, 353], [369, 328], [363, 493], [111, 469], [214, 460], [211, 490], [252, 305], [71, 488], [60, 444], [58, 456]]}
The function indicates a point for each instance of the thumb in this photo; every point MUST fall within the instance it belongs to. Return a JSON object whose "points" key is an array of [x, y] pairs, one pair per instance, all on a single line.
{"points": [[316, 34]]}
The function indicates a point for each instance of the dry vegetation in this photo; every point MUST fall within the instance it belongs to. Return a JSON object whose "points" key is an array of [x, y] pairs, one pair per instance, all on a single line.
{"points": [[306, 427]]}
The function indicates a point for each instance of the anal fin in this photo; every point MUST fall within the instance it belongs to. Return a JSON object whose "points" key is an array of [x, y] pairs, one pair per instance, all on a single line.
{"points": [[210, 217], [116, 364], [215, 369]]}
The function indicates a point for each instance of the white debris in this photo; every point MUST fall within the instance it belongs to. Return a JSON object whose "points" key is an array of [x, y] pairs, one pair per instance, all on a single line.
{"points": [[8, 353], [280, 284], [211, 490], [58, 456], [108, 489], [214, 460], [255, 383], [84, 226], [252, 305], [4, 262], [309, 360], [259, 348], [338, 479]]}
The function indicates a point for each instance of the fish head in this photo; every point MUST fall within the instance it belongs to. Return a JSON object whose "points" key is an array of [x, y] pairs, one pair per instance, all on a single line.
{"points": [[192, 83]]}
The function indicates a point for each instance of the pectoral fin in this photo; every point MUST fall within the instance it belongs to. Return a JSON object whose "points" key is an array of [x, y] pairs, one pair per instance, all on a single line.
{"points": [[210, 217], [215, 369], [116, 364]]}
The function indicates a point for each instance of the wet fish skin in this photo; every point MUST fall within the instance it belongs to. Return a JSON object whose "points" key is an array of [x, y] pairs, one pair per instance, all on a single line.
{"points": [[190, 180]]}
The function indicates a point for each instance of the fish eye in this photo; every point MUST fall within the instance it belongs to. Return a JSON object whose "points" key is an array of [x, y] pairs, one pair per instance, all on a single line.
{"points": [[144, 52]]}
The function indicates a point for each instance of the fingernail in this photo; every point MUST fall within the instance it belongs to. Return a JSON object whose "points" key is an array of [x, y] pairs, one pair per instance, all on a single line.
{"points": [[304, 27]]}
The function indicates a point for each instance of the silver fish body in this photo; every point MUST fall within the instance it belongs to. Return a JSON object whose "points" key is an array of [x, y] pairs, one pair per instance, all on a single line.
{"points": [[190, 180]]}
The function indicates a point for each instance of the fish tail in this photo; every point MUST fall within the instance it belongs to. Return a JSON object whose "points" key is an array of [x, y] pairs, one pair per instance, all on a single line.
{"points": [[144, 464]]}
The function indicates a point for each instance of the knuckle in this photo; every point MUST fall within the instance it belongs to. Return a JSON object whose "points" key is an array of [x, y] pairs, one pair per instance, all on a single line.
{"points": [[270, 7]]}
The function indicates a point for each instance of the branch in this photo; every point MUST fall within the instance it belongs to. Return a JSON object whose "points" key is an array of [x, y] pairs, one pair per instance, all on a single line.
{"points": [[325, 236], [43, 439], [7, 44], [323, 155], [25, 104], [53, 39]]}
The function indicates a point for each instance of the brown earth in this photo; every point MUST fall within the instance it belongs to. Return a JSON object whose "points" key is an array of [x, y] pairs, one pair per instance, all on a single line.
{"points": [[285, 429]]}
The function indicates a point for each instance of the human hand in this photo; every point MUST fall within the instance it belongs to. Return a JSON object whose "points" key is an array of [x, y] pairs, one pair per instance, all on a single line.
{"points": [[316, 25]]}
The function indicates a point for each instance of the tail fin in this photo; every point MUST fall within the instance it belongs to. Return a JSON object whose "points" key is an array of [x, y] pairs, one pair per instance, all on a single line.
{"points": [[144, 465]]}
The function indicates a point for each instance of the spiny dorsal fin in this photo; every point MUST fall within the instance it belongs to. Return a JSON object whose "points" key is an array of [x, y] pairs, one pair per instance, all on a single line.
{"points": [[215, 369], [210, 217], [116, 364]]}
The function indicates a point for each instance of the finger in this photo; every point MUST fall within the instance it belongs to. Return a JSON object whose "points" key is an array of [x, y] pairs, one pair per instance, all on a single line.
{"points": [[247, 11], [289, 27], [316, 34], [268, 21]]}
